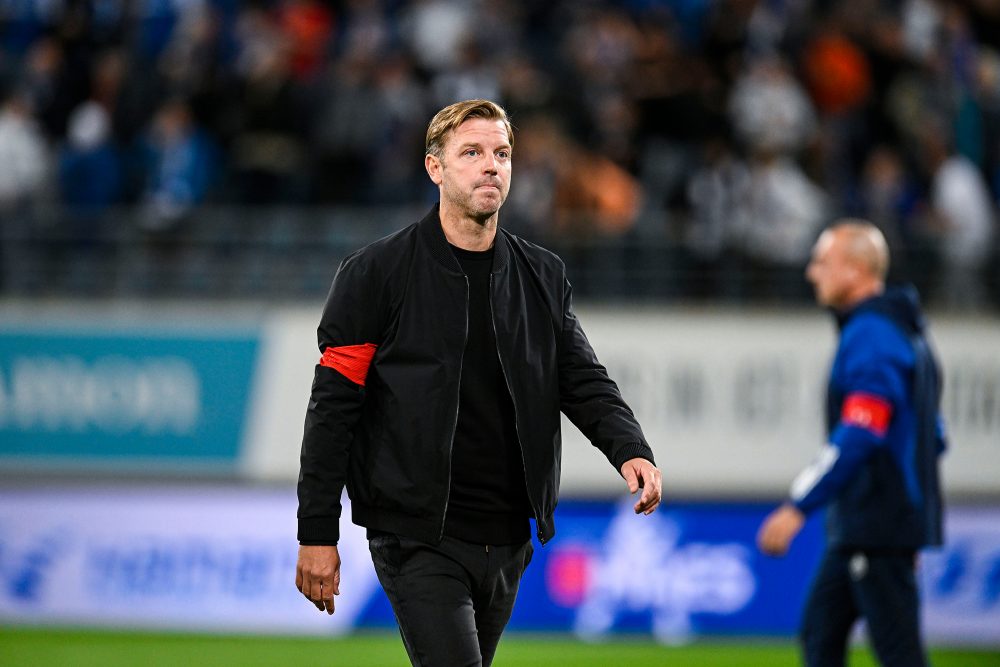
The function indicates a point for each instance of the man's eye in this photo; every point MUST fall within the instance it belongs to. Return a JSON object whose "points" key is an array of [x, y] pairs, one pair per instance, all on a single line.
{"points": [[472, 152], [503, 154]]}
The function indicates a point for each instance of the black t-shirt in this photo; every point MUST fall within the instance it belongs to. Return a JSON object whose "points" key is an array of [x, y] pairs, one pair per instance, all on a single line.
{"points": [[488, 501]]}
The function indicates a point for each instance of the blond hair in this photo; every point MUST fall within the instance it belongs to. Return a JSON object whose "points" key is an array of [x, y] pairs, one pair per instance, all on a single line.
{"points": [[453, 115]]}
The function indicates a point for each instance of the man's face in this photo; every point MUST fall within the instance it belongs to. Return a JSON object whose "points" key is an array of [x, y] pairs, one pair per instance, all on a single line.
{"points": [[474, 171], [832, 273]]}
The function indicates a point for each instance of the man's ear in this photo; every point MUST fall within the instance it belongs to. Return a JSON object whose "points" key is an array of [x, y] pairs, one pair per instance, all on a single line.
{"points": [[433, 166]]}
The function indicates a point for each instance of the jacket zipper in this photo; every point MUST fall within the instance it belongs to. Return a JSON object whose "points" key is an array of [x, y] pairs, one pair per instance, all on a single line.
{"points": [[520, 447], [454, 422]]}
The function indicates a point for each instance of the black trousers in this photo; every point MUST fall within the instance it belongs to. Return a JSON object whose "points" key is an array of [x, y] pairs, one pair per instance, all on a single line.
{"points": [[879, 586], [452, 600]]}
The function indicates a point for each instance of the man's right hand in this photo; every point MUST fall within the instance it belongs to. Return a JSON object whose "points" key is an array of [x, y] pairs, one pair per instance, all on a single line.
{"points": [[779, 529], [317, 575]]}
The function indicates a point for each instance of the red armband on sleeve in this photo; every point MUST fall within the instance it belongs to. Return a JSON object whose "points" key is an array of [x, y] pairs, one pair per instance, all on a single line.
{"points": [[867, 411], [351, 361]]}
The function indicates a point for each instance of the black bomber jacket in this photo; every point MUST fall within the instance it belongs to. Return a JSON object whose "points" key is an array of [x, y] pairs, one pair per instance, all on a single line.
{"points": [[388, 436]]}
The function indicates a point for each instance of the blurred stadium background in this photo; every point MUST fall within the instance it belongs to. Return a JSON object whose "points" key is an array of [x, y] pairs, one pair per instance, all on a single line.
{"points": [[180, 178]]}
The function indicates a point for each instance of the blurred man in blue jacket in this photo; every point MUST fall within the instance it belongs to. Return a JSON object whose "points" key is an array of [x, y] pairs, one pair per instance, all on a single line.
{"points": [[878, 476]]}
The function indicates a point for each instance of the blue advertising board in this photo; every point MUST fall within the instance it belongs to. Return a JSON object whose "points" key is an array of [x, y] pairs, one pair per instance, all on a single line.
{"points": [[686, 570], [124, 398], [196, 557], [217, 558]]}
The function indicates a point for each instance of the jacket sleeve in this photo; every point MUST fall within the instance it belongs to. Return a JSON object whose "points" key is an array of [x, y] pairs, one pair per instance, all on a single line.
{"points": [[591, 399], [348, 334], [874, 383]]}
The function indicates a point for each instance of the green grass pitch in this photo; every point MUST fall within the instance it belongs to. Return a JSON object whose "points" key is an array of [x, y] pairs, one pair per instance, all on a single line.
{"points": [[38, 647]]}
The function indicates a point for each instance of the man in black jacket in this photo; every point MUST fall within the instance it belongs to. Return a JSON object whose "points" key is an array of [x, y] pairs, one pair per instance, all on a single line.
{"points": [[448, 351]]}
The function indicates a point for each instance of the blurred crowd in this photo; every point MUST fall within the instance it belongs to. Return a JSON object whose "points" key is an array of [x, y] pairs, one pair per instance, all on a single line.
{"points": [[733, 129]]}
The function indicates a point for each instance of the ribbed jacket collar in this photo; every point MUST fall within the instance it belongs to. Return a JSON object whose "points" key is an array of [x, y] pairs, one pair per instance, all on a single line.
{"points": [[433, 236]]}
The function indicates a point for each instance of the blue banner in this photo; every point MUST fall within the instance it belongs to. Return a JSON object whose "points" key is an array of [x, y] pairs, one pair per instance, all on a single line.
{"points": [[192, 557], [684, 571], [208, 558], [119, 399]]}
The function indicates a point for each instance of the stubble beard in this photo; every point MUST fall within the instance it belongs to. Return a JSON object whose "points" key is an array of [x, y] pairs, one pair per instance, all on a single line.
{"points": [[475, 207]]}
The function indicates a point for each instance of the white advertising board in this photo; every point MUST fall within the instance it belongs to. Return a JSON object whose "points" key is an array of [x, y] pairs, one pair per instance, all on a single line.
{"points": [[731, 401]]}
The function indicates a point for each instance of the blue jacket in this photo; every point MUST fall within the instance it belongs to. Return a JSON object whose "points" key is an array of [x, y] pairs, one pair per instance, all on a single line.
{"points": [[879, 474]]}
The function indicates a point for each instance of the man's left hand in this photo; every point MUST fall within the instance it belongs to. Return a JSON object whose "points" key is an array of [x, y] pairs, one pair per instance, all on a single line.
{"points": [[641, 474]]}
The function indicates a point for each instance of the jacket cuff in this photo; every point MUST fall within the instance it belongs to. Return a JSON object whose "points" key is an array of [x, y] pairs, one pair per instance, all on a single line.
{"points": [[319, 530], [802, 506], [635, 450]]}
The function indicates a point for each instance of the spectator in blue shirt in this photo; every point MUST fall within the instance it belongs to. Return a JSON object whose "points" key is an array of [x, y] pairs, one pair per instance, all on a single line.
{"points": [[180, 165], [90, 170]]}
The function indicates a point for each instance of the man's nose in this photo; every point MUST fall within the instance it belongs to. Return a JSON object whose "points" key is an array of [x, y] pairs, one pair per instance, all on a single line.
{"points": [[490, 164]]}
